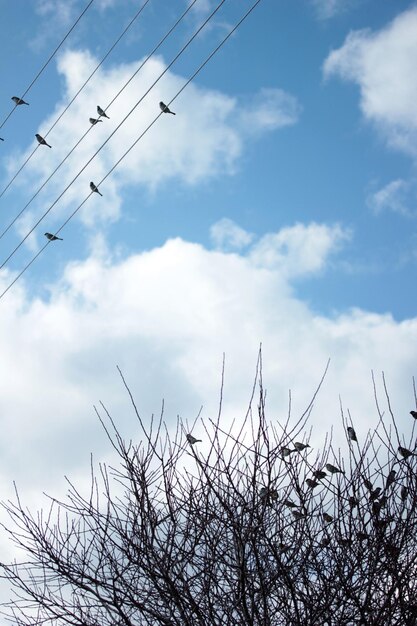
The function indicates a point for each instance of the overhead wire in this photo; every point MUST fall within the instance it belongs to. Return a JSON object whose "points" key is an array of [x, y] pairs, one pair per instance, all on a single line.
{"points": [[158, 45], [197, 71], [182, 50], [44, 66], [73, 99]]}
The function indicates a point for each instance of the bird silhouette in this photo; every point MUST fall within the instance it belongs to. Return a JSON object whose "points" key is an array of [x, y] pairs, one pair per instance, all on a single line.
{"points": [[289, 503], [101, 112], [404, 493], [93, 120], [319, 474], [18, 101], [351, 433], [390, 478], [192, 439], [300, 446], [414, 414], [52, 237], [42, 141], [94, 187], [1, 139], [165, 109], [405, 453], [297, 514], [375, 493], [353, 502], [333, 469], [327, 518], [265, 492], [312, 483], [368, 484], [286, 451]]}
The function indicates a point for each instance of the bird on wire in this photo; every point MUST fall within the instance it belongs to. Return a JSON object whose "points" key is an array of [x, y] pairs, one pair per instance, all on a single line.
{"points": [[101, 112], [52, 237], [18, 101], [413, 414], [94, 188], [165, 109], [333, 469], [192, 440], [42, 141], [93, 121], [300, 446], [351, 433]]}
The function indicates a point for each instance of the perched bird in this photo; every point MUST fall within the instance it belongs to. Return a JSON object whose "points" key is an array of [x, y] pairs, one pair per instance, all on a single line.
{"points": [[17, 100], [333, 470], [353, 502], [94, 121], [297, 514], [312, 483], [265, 492], [351, 433], [42, 141], [325, 542], [192, 439], [368, 484], [101, 112], [52, 237], [286, 451], [390, 478], [414, 414], [93, 187], [375, 493], [165, 109], [289, 503], [327, 518], [405, 453], [319, 474], [300, 446], [404, 493]]}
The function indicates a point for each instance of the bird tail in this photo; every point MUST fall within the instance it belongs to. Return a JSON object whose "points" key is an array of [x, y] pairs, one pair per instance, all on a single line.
{"points": [[172, 112]]}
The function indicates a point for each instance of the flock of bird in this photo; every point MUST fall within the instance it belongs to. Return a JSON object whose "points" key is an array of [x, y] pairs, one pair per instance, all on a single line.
{"points": [[19, 101]]}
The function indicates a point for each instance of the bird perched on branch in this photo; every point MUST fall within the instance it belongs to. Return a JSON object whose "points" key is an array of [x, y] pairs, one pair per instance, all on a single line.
{"points": [[319, 474], [390, 478], [405, 453], [101, 112], [414, 414], [333, 469], [192, 439], [165, 109], [351, 433], [289, 503], [94, 188], [327, 518], [52, 237], [18, 101], [286, 451], [300, 446], [93, 120], [42, 141], [312, 483]]}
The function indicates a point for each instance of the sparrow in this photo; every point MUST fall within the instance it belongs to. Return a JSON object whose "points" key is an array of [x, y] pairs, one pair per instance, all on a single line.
{"points": [[375, 493], [353, 502], [319, 474], [101, 112], [52, 237], [327, 518], [271, 493], [414, 414], [297, 514], [333, 470], [351, 433], [368, 484], [312, 483], [93, 187], [192, 439], [404, 493], [390, 478], [300, 446], [289, 503], [94, 121], [17, 101], [165, 109], [405, 453], [42, 141]]}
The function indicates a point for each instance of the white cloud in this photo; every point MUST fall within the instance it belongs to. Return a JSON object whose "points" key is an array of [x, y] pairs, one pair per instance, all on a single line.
{"points": [[395, 197], [329, 8], [227, 234], [204, 140], [383, 65]]}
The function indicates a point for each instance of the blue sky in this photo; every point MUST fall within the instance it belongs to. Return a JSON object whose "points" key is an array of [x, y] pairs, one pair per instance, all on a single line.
{"points": [[277, 206]]}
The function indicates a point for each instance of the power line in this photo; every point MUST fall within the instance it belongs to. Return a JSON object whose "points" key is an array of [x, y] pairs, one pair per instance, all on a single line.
{"points": [[182, 16], [49, 60], [73, 99], [198, 70]]}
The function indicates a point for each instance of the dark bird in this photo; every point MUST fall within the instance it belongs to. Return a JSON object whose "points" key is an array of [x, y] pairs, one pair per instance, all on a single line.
{"points": [[414, 414], [368, 484], [94, 187], [297, 514], [327, 518], [265, 492], [351, 433], [165, 109], [286, 451], [319, 474], [405, 453], [404, 493], [300, 446], [333, 470], [325, 542], [390, 478], [375, 493], [52, 237], [42, 141], [1, 139], [94, 121], [312, 483], [101, 112], [353, 502], [192, 439], [289, 503], [17, 101], [362, 536]]}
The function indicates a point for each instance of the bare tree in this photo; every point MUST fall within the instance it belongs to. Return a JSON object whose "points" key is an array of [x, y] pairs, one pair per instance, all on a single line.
{"points": [[250, 527]]}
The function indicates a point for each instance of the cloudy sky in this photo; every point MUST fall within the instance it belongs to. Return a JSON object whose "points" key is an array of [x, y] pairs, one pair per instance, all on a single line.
{"points": [[278, 206]]}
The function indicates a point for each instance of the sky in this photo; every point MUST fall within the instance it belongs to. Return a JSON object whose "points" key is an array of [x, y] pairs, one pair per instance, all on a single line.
{"points": [[276, 208]]}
